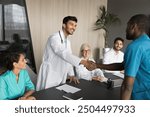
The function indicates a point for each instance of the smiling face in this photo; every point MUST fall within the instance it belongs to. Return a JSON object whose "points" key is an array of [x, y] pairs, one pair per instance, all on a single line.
{"points": [[86, 52], [118, 45], [70, 27]]}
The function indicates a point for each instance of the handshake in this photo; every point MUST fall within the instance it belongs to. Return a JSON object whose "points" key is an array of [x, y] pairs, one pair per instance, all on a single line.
{"points": [[90, 65]]}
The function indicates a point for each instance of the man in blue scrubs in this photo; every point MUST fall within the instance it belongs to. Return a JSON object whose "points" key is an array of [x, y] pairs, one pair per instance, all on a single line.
{"points": [[136, 84], [137, 60]]}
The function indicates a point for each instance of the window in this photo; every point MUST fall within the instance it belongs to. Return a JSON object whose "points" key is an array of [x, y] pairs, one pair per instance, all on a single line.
{"points": [[14, 30]]}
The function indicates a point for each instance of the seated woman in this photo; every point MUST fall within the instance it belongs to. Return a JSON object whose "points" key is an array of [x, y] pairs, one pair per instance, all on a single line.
{"points": [[15, 82], [82, 72]]}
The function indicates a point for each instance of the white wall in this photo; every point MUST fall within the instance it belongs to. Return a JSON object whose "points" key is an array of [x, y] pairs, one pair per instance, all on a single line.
{"points": [[45, 18]]}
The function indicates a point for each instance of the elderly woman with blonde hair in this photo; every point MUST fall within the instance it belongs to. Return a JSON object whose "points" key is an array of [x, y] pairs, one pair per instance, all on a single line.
{"points": [[82, 72]]}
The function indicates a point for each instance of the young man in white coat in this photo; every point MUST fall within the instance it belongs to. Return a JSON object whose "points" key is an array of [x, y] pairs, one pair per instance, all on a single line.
{"points": [[58, 59]]}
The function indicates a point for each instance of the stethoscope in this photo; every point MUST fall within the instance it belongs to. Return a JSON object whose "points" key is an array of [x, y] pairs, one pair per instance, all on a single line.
{"points": [[60, 37]]}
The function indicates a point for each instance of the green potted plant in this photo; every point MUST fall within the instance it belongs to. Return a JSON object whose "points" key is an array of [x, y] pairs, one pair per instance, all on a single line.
{"points": [[104, 21]]}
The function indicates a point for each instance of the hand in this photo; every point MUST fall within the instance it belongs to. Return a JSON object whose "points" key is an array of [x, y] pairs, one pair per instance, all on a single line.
{"points": [[22, 98], [90, 65], [74, 79], [31, 98], [122, 72], [100, 79], [97, 78], [27, 98]]}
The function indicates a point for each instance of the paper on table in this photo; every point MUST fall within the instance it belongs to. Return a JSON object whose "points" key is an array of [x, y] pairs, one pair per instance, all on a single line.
{"points": [[68, 88]]}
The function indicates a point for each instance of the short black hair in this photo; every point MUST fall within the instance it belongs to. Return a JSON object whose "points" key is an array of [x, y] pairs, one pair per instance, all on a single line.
{"points": [[142, 21], [11, 58], [68, 18], [118, 38]]}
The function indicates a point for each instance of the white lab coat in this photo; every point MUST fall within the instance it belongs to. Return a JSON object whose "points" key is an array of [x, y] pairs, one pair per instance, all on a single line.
{"points": [[57, 61]]}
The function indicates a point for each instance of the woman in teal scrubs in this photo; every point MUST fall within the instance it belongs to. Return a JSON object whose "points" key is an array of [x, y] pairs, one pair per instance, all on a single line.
{"points": [[15, 83]]}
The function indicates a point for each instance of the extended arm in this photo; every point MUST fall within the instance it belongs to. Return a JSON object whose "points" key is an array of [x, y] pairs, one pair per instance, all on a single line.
{"points": [[63, 53], [113, 66]]}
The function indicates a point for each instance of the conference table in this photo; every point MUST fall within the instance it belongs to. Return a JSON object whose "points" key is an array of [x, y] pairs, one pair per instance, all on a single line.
{"points": [[90, 90]]}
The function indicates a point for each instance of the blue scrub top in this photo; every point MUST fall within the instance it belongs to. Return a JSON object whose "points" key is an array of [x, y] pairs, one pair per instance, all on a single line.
{"points": [[137, 65], [10, 88]]}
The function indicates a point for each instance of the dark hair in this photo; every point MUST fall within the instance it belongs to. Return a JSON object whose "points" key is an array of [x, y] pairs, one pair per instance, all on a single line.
{"points": [[142, 21], [11, 58], [118, 38], [68, 18], [16, 37]]}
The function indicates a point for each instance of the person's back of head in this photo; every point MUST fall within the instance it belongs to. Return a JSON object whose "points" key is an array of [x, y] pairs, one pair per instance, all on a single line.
{"points": [[17, 45], [16, 38]]}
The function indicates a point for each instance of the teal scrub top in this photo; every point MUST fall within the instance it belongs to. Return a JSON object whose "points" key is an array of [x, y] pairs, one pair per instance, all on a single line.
{"points": [[137, 65], [10, 88]]}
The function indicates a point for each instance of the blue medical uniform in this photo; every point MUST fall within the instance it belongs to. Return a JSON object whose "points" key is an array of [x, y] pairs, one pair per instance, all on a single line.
{"points": [[137, 65], [10, 88]]}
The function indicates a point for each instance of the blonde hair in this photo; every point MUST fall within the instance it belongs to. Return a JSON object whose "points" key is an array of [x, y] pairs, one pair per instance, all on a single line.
{"points": [[83, 46]]}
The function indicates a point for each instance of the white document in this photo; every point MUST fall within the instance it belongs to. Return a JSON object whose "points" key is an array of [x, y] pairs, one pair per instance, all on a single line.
{"points": [[68, 88]]}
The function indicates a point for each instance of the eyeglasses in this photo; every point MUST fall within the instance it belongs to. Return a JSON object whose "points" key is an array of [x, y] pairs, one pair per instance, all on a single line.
{"points": [[86, 50]]}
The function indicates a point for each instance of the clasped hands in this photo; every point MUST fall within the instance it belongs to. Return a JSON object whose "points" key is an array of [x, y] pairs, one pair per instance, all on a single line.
{"points": [[90, 65]]}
